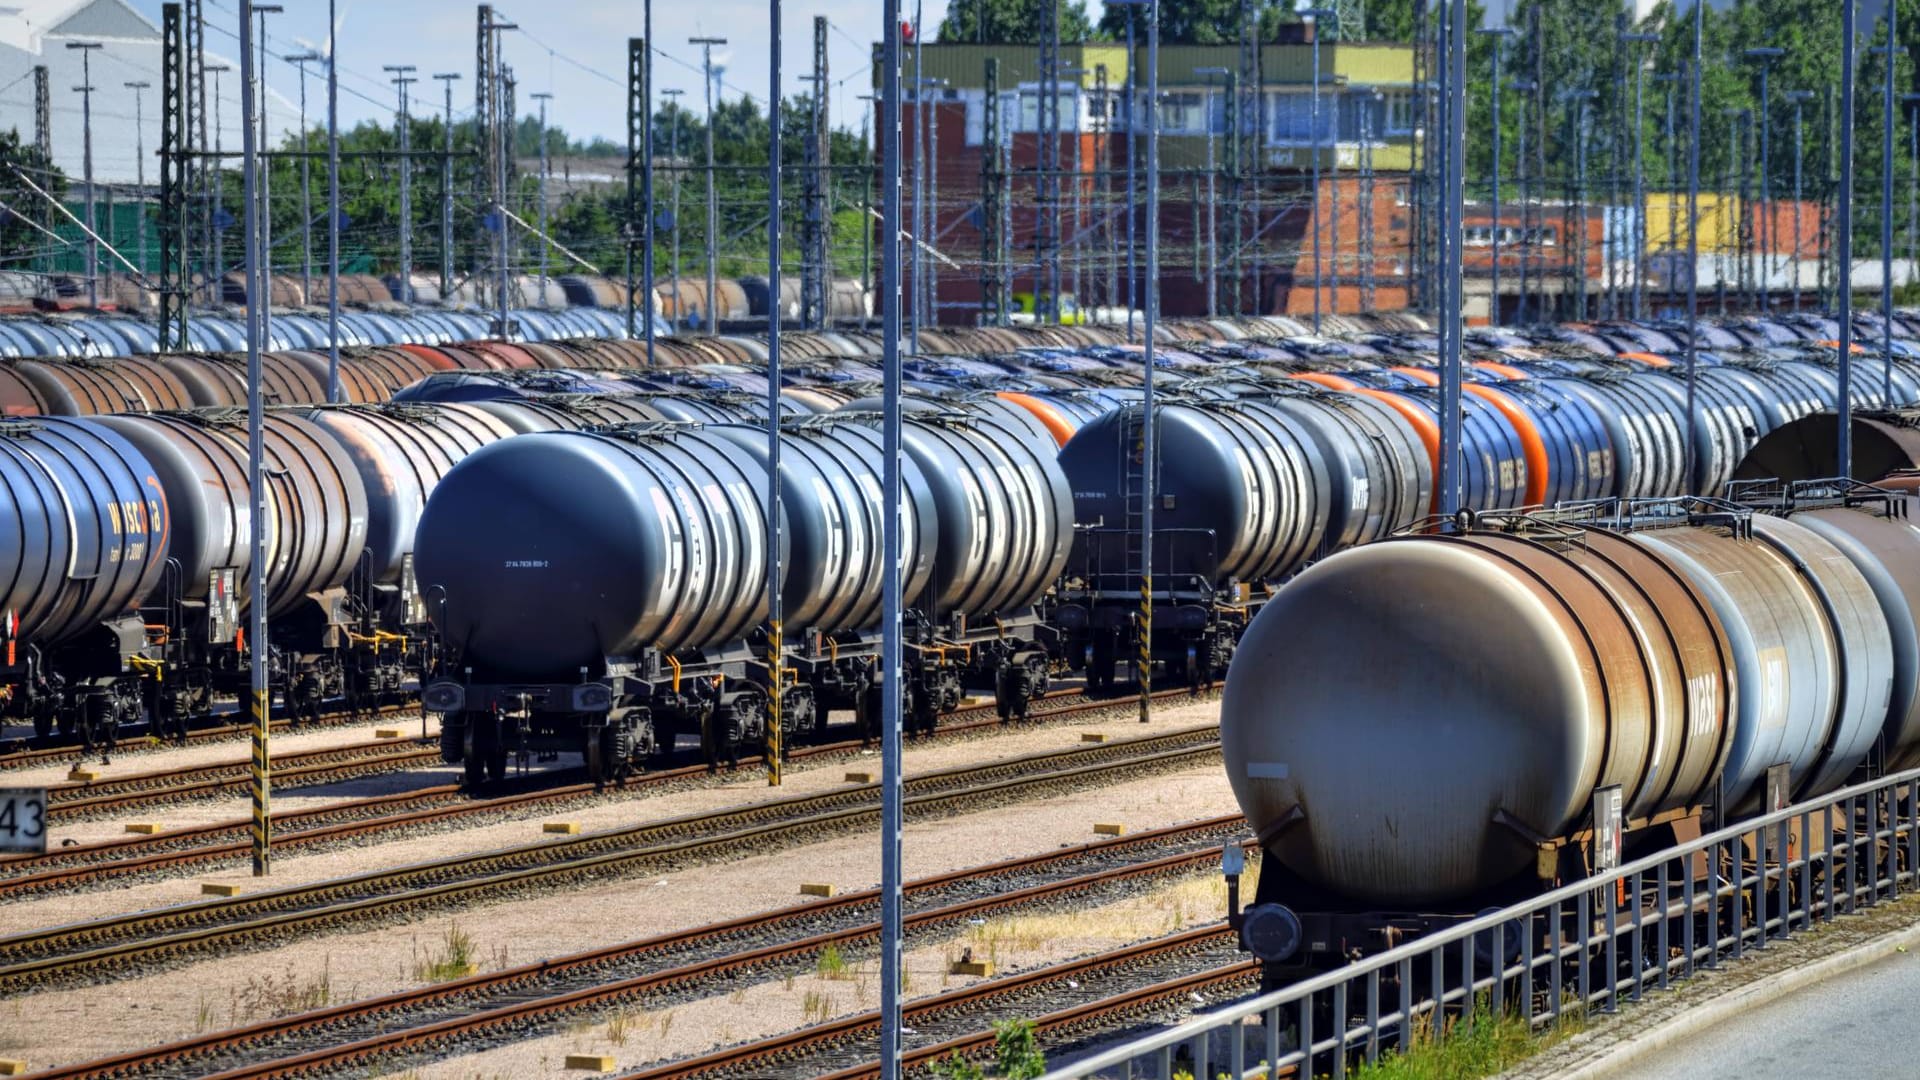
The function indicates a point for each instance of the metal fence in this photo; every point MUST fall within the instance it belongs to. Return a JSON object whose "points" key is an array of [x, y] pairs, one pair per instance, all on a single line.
{"points": [[1580, 949]]}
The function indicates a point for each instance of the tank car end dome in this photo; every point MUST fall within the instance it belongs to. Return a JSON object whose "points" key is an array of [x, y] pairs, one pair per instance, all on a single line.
{"points": [[1388, 705], [536, 591]]}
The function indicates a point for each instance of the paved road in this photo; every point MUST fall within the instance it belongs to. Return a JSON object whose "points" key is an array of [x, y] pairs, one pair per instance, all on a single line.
{"points": [[1860, 1026]]}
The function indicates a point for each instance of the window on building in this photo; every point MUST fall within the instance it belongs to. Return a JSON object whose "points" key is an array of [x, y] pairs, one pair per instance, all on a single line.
{"points": [[1030, 97], [1290, 117], [1510, 235], [1399, 113], [1184, 112]]}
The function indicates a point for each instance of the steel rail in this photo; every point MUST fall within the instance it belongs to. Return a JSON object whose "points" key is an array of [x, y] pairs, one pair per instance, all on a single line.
{"points": [[417, 1036], [779, 1053], [146, 854], [1080, 1017], [36, 957], [72, 800], [142, 741]]}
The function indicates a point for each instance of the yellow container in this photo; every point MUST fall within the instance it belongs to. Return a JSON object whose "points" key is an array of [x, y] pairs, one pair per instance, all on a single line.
{"points": [[1719, 223]]}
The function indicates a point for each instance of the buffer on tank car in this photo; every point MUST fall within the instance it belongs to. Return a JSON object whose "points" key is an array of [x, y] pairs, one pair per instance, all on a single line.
{"points": [[1434, 725]]}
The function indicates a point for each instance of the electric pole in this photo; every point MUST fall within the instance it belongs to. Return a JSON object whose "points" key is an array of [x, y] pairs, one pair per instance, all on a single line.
{"points": [[679, 176], [263, 215], [446, 186], [140, 170], [85, 90], [541, 187], [404, 121], [713, 206], [301, 61]]}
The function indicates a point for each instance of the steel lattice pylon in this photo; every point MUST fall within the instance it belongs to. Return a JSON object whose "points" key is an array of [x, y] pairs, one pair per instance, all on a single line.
{"points": [[633, 229], [1046, 233], [816, 267], [992, 195], [173, 178]]}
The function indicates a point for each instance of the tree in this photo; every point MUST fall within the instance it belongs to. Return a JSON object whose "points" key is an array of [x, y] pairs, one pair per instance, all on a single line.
{"points": [[1011, 22], [17, 233], [1201, 22]]}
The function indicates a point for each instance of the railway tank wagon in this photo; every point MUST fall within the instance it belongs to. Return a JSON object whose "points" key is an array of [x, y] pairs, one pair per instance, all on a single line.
{"points": [[1248, 490], [401, 452], [1005, 519], [83, 542], [316, 531], [610, 615], [1424, 727], [626, 606]]}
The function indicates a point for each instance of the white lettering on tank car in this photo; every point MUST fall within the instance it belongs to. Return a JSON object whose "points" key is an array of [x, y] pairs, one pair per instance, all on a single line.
{"points": [[670, 543], [830, 501], [977, 510]]}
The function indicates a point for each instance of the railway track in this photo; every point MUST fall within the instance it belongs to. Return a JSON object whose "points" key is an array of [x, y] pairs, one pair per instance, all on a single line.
{"points": [[351, 820], [31, 752], [69, 802], [104, 948], [1078, 999], [523, 1002]]}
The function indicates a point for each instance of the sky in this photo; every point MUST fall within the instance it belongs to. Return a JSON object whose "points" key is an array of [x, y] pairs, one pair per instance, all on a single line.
{"points": [[573, 49]]}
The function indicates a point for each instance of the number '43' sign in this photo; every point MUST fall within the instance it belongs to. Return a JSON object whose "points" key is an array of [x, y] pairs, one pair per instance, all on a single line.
{"points": [[23, 820]]}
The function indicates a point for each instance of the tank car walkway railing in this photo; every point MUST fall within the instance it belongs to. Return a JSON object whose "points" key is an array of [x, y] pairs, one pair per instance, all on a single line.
{"points": [[1580, 949]]}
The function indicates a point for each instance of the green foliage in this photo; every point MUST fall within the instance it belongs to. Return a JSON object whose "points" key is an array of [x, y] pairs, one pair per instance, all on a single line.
{"points": [[830, 965], [1476, 1046], [587, 219], [1580, 50], [17, 233], [1011, 21], [1016, 1052], [955, 1067], [1016, 1056], [454, 959], [1200, 22]]}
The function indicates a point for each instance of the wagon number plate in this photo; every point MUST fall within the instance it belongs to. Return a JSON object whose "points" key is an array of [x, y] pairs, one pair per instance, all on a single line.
{"points": [[23, 820]]}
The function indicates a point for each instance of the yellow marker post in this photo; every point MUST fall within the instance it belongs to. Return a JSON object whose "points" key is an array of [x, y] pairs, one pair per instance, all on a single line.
{"points": [[262, 784]]}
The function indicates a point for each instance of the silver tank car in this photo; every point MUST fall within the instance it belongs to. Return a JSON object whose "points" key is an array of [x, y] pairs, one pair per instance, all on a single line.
{"points": [[317, 529], [550, 552], [830, 488], [1000, 503], [86, 532], [1406, 720], [1242, 490], [401, 452]]}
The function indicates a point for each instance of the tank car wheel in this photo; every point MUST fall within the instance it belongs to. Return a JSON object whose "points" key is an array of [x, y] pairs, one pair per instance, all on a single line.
{"points": [[453, 741], [483, 746], [1009, 693], [595, 755], [866, 714], [1100, 667]]}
